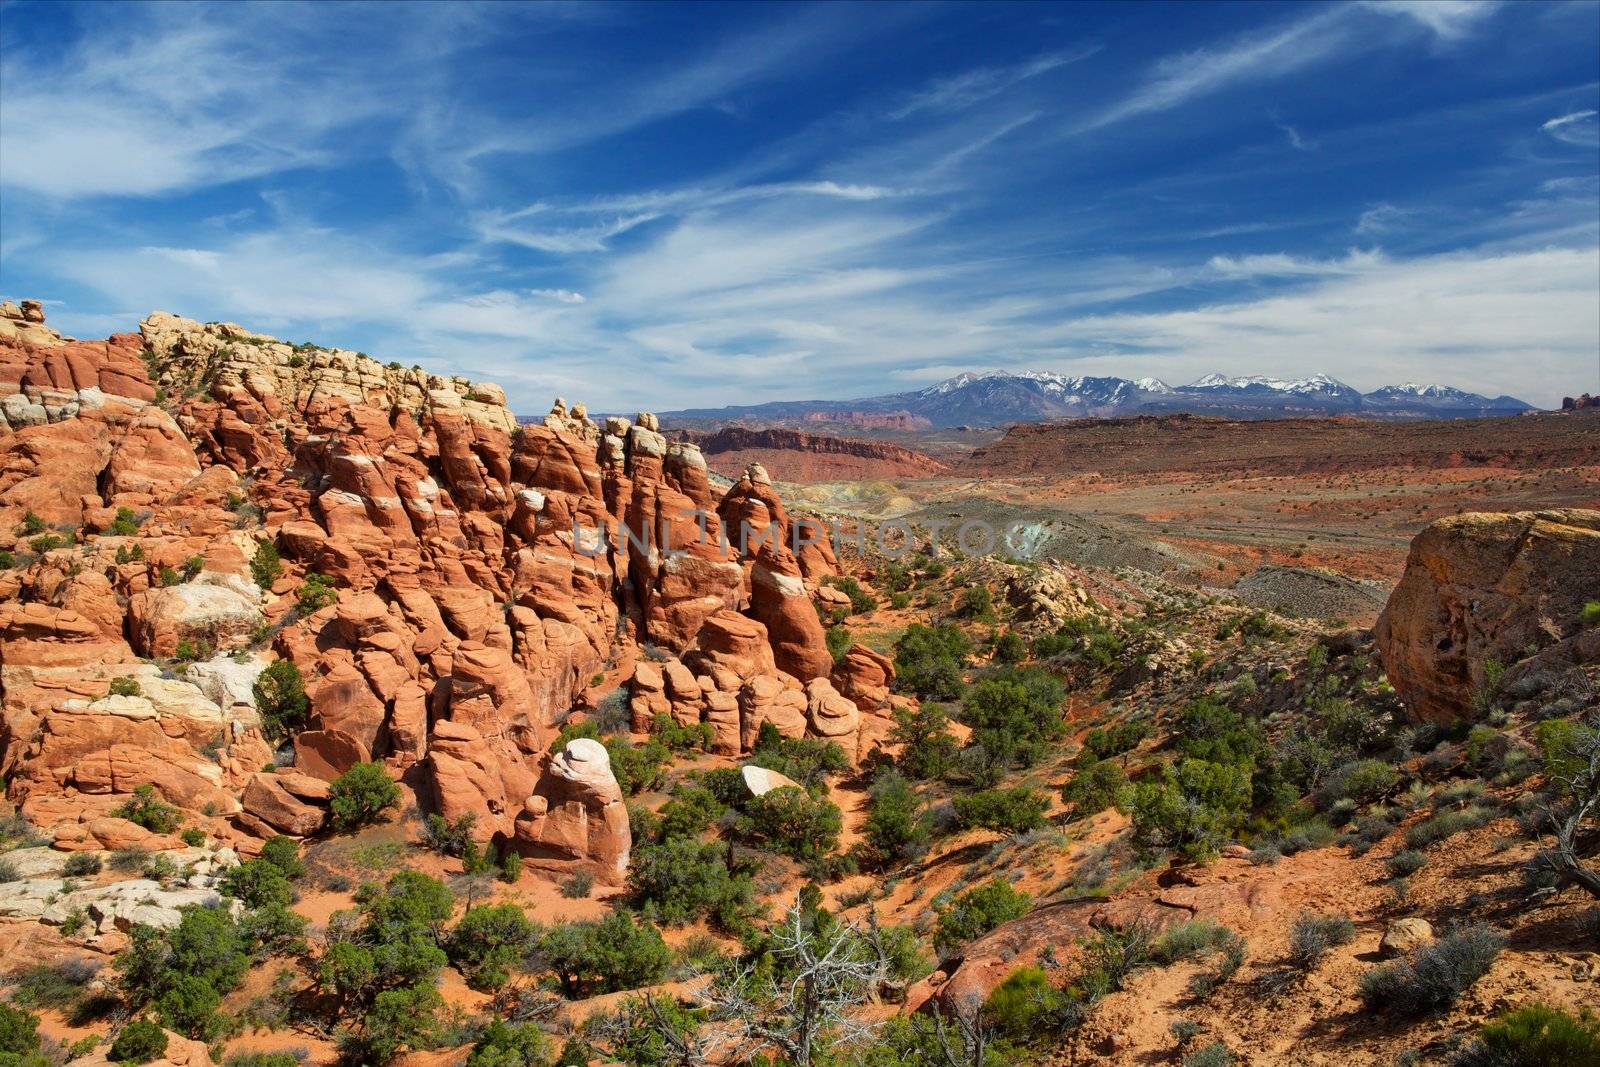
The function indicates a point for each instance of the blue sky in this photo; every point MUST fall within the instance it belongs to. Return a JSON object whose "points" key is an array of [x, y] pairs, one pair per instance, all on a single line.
{"points": [[659, 206]]}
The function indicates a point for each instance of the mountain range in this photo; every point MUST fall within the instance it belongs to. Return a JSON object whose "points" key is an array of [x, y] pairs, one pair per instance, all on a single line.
{"points": [[999, 397]]}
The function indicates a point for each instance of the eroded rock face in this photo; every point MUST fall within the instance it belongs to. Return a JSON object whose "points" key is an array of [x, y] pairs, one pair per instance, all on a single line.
{"points": [[480, 581], [578, 811], [1480, 588]]}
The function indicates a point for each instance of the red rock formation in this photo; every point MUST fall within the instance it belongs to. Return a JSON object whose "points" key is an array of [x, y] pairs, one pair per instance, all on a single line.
{"points": [[1480, 588]]}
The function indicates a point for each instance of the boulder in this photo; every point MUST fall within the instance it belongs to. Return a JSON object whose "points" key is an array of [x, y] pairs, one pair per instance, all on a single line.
{"points": [[1403, 935], [1479, 588], [578, 811]]}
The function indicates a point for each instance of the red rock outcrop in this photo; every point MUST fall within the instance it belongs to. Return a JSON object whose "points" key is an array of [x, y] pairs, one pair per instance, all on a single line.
{"points": [[1484, 587]]}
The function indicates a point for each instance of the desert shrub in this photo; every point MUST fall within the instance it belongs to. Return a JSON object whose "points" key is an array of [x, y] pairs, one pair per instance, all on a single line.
{"points": [[139, 1042], [1215, 1054], [1210, 730], [613, 954], [125, 687], [978, 911], [1362, 781], [1014, 715], [1009, 647], [1103, 743], [192, 567], [791, 821], [168, 577], [690, 812], [19, 1037], [680, 880], [577, 886], [927, 747], [31, 524], [861, 601], [315, 593], [1021, 1004], [1432, 976], [681, 738], [266, 566], [9, 872], [895, 829], [1445, 824], [145, 809], [1229, 952], [1313, 935], [1095, 787], [1405, 863], [1194, 807], [1186, 940], [1007, 811], [402, 1018], [48, 543], [284, 854], [975, 602], [52, 985], [488, 942], [9, 559], [839, 641], [448, 838], [257, 883], [192, 836], [928, 661], [361, 796], [262, 1059], [1535, 1035], [510, 1045], [81, 865], [806, 760], [1590, 615], [280, 695]]}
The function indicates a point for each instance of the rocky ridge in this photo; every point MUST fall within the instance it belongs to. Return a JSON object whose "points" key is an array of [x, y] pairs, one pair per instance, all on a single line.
{"points": [[481, 582]]}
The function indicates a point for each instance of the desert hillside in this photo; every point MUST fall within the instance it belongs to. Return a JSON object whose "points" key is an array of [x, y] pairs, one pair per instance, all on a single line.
{"points": [[346, 718]]}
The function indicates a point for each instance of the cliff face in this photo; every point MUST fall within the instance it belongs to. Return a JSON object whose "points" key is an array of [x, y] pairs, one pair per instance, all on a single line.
{"points": [[800, 456], [474, 606]]}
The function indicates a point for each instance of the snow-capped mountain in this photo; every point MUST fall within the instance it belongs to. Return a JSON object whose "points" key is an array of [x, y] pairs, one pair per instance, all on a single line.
{"points": [[991, 398]]}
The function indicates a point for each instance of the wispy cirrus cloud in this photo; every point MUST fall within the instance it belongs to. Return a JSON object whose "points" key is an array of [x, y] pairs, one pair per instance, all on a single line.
{"points": [[974, 86], [1450, 20], [1578, 128]]}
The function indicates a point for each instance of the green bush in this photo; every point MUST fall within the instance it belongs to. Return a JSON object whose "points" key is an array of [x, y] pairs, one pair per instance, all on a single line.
{"points": [[315, 593], [1535, 1035], [1591, 613], [139, 1042], [284, 854], [448, 838], [1113, 740], [1095, 787], [169, 577], [1405, 863], [861, 601], [1009, 647], [1006, 811], [1195, 807], [682, 879], [578, 886], [613, 954], [31, 524], [791, 821], [266, 566], [81, 865], [257, 883], [928, 661], [190, 1006], [690, 812], [46, 543], [145, 809], [978, 911], [1014, 715], [1215, 1054], [975, 602], [126, 524], [1022, 1004], [488, 942], [510, 1045], [1433, 976], [1362, 781], [1313, 935], [839, 641], [1186, 940], [125, 687], [928, 749], [1446, 824], [895, 829], [19, 1036], [361, 796], [806, 760]]}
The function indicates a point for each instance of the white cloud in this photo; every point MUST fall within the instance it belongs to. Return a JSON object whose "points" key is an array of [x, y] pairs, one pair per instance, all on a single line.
{"points": [[1579, 128], [595, 238], [1450, 20], [1282, 266], [974, 86], [560, 296], [1381, 218]]}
